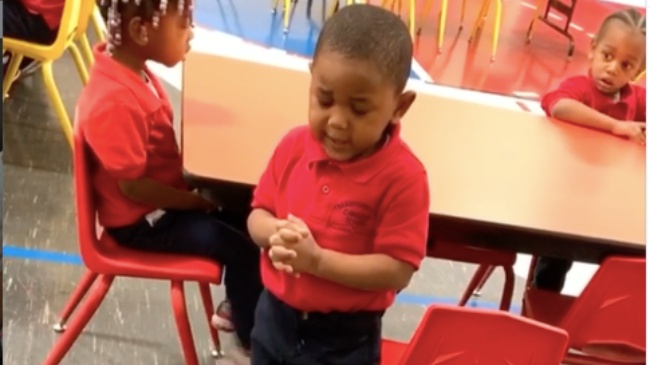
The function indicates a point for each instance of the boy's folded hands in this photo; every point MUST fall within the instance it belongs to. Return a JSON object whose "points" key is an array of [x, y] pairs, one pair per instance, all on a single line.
{"points": [[293, 248]]}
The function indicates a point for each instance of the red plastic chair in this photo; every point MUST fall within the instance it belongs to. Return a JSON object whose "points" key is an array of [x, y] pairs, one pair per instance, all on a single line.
{"points": [[450, 335], [487, 260], [606, 323], [105, 260]]}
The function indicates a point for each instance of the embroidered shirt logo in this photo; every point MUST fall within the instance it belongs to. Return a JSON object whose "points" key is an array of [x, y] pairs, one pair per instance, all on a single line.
{"points": [[352, 216]]}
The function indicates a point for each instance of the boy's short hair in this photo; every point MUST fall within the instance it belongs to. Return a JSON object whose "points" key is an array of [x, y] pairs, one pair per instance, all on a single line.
{"points": [[370, 33], [630, 17]]}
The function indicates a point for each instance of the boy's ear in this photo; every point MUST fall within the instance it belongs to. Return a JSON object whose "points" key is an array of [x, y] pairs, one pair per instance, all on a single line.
{"points": [[403, 105], [590, 55]]}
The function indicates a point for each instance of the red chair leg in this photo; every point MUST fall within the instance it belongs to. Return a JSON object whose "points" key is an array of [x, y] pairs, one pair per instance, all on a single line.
{"points": [[206, 296], [508, 288], [477, 291], [481, 271], [79, 292], [79, 321], [183, 323]]}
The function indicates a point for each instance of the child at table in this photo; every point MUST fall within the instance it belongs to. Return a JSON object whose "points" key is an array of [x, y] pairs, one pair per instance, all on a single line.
{"points": [[342, 208], [604, 99], [126, 120]]}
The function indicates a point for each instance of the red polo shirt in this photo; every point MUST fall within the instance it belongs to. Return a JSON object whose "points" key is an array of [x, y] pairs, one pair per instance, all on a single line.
{"points": [[630, 107], [50, 10], [379, 204], [129, 130]]}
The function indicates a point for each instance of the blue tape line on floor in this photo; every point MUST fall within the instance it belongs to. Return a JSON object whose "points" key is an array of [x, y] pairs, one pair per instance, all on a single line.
{"points": [[22, 253], [40, 255]]}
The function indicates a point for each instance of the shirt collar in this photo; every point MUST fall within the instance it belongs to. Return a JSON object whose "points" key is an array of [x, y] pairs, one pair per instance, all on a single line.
{"points": [[113, 70], [361, 170]]}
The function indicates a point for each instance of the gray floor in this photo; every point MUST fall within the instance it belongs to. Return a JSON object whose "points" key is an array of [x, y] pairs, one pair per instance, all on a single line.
{"points": [[134, 325]]}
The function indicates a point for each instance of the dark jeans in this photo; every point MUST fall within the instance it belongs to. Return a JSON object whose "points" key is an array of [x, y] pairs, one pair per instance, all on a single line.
{"points": [[550, 273], [21, 24], [202, 234], [285, 336]]}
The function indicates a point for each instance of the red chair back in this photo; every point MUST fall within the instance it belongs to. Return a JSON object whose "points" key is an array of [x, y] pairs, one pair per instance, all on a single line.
{"points": [[89, 244], [450, 335], [610, 312]]}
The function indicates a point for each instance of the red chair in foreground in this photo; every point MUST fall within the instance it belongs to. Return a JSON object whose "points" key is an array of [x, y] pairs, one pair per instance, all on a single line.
{"points": [[487, 260], [105, 260], [607, 322], [462, 336]]}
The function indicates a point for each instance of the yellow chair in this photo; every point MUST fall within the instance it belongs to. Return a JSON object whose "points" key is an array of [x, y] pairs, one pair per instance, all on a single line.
{"points": [[442, 19], [478, 24], [398, 4], [88, 13], [287, 13], [336, 4], [98, 24], [46, 55]]}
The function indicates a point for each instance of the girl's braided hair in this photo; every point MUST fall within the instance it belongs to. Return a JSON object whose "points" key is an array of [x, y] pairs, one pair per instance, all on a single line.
{"points": [[115, 11]]}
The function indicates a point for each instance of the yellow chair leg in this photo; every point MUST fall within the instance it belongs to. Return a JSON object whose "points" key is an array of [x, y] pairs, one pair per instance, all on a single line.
{"points": [[79, 62], [462, 13], [425, 13], [485, 6], [412, 20], [57, 102], [441, 24], [10, 75], [497, 30], [86, 49], [98, 24], [287, 13], [332, 9], [538, 10]]}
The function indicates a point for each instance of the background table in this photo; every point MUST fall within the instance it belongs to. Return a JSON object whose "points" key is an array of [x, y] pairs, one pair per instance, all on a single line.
{"points": [[502, 178]]}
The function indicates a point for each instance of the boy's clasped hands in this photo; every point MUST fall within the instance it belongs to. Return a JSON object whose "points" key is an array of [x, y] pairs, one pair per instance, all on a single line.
{"points": [[292, 247]]}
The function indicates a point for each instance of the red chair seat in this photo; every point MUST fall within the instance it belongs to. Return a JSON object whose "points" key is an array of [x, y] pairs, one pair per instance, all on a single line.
{"points": [[392, 351], [552, 308], [105, 260], [606, 323], [120, 261], [449, 335]]}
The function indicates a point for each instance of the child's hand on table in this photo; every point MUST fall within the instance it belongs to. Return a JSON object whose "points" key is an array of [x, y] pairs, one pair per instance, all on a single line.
{"points": [[635, 131], [293, 248]]}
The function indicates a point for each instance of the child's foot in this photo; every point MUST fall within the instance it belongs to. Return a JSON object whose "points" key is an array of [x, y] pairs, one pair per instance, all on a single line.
{"points": [[240, 354], [221, 319]]}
